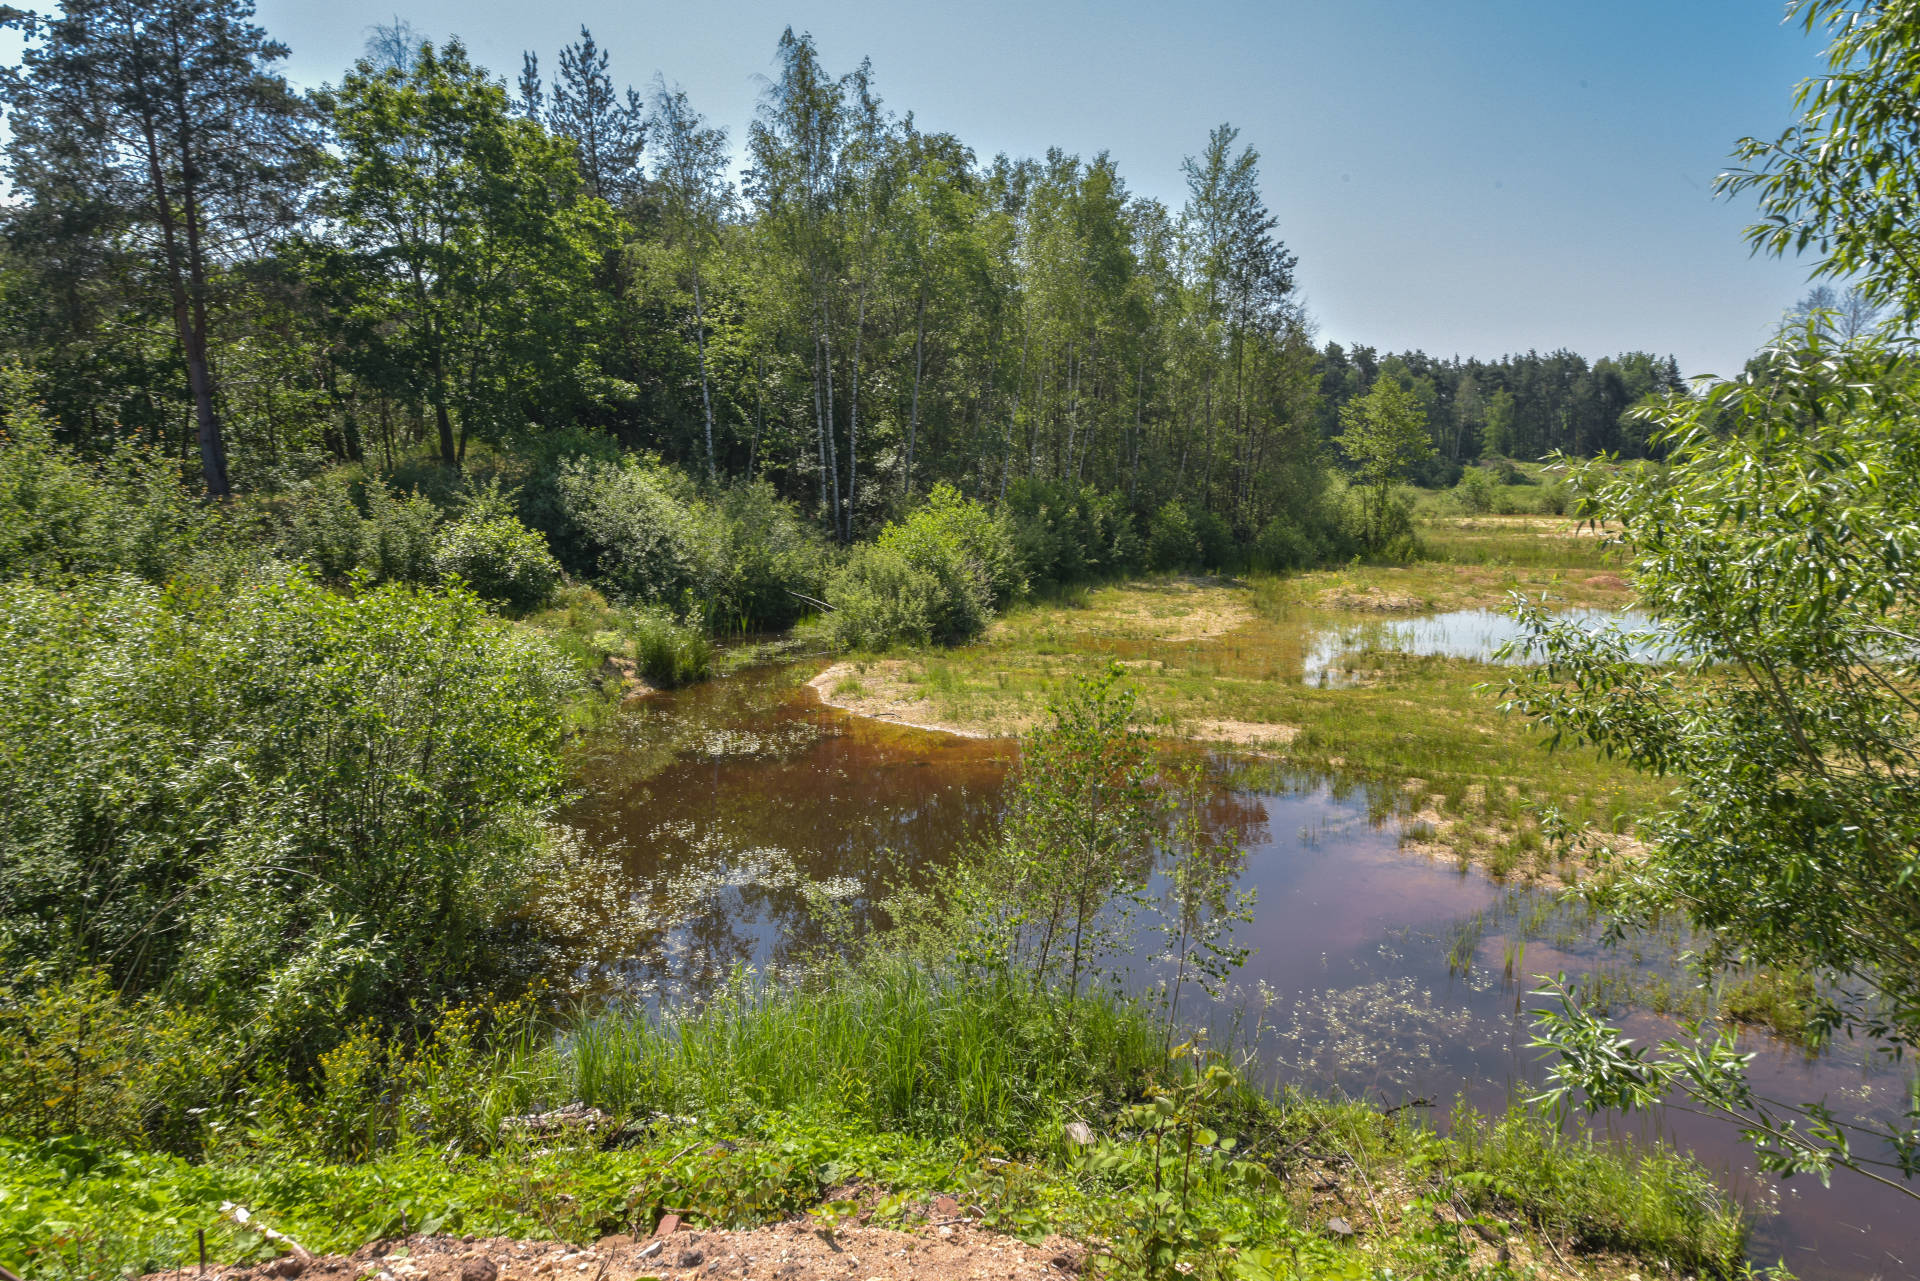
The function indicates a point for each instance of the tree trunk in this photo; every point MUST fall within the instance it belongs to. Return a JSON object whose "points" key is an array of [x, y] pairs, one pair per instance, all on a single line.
{"points": [[700, 341], [833, 444], [853, 412], [913, 416], [213, 447]]}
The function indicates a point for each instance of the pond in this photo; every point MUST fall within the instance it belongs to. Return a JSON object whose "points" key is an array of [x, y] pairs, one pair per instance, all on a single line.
{"points": [[738, 815], [1336, 654]]}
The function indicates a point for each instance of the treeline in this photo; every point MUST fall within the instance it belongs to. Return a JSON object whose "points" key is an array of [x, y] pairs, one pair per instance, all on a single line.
{"points": [[1516, 407], [261, 282]]}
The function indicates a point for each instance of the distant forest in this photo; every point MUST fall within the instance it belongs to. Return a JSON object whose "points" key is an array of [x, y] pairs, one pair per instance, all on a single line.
{"points": [[1517, 407], [263, 282]]}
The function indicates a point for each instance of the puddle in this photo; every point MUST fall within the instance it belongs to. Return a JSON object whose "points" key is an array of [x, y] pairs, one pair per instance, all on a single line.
{"points": [[1337, 655], [742, 815]]}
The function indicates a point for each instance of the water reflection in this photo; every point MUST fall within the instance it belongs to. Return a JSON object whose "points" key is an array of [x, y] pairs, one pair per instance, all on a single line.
{"points": [[1336, 653], [742, 816]]}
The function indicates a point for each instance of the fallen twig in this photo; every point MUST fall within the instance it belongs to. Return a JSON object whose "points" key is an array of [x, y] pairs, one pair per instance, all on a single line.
{"points": [[244, 1217]]}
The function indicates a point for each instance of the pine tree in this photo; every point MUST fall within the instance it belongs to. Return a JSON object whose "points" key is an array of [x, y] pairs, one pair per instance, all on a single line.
{"points": [[168, 116]]}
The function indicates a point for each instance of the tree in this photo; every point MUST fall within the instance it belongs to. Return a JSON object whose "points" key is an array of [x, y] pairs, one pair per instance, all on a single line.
{"points": [[608, 133], [458, 246], [1841, 179], [1778, 547], [694, 196], [1384, 433], [168, 119]]}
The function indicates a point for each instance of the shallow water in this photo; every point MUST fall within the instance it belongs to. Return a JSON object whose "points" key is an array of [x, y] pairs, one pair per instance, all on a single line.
{"points": [[743, 817], [1336, 653]]}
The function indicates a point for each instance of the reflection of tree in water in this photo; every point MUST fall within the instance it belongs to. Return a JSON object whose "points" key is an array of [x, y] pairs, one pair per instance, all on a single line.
{"points": [[724, 802]]}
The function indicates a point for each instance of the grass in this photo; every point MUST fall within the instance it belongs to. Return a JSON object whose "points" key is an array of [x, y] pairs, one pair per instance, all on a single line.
{"points": [[1224, 658], [615, 646], [755, 1106]]}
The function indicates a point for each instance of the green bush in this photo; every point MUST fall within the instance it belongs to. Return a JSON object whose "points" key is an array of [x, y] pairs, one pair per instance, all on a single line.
{"points": [[500, 559], [286, 807], [1172, 542], [1474, 493], [881, 598], [343, 523], [634, 521], [759, 555], [1218, 549], [936, 576], [1284, 546], [399, 536], [948, 533], [61, 515], [1068, 534]]}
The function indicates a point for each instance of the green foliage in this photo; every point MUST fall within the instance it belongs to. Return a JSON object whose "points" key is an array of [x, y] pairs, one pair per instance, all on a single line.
{"points": [[60, 515], [459, 247], [1384, 433], [880, 598], [668, 652], [288, 807], [1650, 1200], [937, 576], [1835, 181], [1172, 541], [762, 560], [1170, 1163], [1777, 547], [633, 520], [499, 559], [1068, 535], [343, 523], [1052, 895], [1474, 493]]}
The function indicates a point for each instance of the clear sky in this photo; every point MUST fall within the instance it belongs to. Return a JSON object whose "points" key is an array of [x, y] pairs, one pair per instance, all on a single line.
{"points": [[1471, 177]]}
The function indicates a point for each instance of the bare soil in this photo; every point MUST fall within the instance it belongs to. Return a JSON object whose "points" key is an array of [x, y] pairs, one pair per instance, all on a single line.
{"points": [[798, 1251], [881, 691]]}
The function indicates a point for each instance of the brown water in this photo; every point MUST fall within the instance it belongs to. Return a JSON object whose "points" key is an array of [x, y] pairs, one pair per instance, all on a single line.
{"points": [[742, 815]]}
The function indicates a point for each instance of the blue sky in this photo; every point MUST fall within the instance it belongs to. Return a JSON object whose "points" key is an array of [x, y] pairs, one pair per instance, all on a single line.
{"points": [[1473, 177]]}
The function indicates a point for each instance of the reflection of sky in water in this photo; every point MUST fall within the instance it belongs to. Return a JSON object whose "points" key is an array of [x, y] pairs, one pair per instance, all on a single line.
{"points": [[1334, 652], [735, 814]]}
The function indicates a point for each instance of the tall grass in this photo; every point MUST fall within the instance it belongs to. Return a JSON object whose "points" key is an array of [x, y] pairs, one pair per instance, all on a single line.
{"points": [[896, 1047], [1650, 1200]]}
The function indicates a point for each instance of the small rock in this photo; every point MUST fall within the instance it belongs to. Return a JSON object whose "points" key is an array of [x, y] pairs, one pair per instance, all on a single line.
{"points": [[945, 1206], [669, 1224], [479, 1269], [1339, 1227], [691, 1258], [289, 1266]]}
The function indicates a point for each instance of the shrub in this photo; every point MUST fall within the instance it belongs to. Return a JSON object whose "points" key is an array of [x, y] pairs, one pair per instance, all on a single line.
{"points": [[641, 535], [760, 554], [936, 576], [1474, 493], [327, 534], [1172, 542], [1067, 534], [947, 529], [1218, 550], [1283, 546], [398, 537], [881, 598], [282, 805], [500, 559], [392, 540]]}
